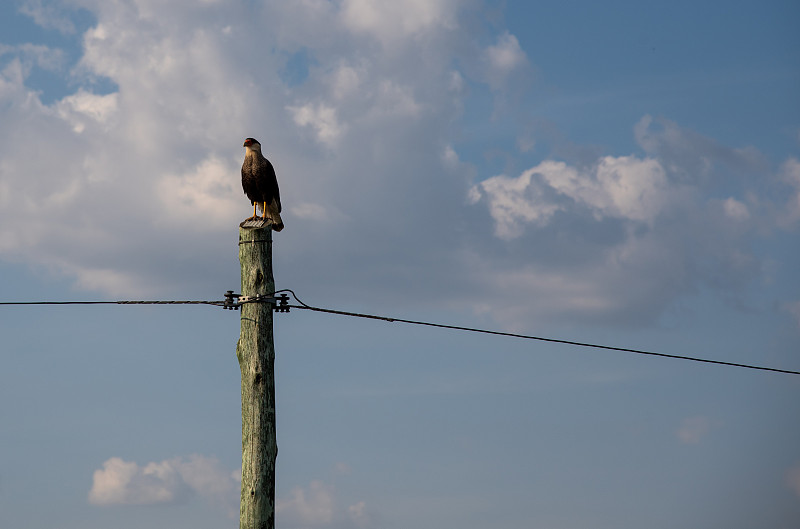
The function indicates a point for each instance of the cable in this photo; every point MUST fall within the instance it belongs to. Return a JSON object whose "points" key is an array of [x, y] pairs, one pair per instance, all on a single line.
{"points": [[306, 306], [539, 338], [122, 302], [140, 302]]}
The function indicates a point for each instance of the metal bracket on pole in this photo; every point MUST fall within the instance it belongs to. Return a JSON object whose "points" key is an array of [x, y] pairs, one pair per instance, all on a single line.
{"points": [[234, 301]]}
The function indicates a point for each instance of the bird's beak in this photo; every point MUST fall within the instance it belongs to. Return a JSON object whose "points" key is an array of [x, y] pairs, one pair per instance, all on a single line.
{"points": [[244, 144]]}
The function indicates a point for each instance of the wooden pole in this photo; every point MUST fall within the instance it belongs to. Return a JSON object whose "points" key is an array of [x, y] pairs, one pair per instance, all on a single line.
{"points": [[256, 353]]}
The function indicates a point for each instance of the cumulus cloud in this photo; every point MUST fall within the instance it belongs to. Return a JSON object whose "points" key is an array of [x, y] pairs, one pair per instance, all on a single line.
{"points": [[83, 106], [366, 146], [692, 156], [736, 210], [623, 236], [48, 15], [321, 118], [790, 174], [30, 55], [126, 171], [205, 194], [620, 187], [391, 21], [317, 506], [122, 482], [311, 506], [502, 59], [514, 201]]}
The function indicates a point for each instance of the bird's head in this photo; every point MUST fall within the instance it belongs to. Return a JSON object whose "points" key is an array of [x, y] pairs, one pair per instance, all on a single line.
{"points": [[252, 143]]}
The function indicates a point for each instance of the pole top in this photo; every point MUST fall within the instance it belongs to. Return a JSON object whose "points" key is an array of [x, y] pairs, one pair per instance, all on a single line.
{"points": [[256, 223]]}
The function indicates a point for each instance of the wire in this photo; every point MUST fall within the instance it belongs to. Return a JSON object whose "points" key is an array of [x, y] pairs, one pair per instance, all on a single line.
{"points": [[140, 302], [122, 302], [306, 306], [539, 338]]}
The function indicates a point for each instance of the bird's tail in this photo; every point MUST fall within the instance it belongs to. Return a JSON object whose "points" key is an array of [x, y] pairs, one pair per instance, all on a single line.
{"points": [[271, 212]]}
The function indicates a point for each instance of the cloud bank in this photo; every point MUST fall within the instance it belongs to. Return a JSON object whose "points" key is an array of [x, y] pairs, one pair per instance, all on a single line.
{"points": [[122, 482], [133, 191], [318, 506], [627, 235], [176, 480]]}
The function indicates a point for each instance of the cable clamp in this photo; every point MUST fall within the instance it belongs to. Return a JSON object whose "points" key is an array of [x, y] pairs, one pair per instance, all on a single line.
{"points": [[259, 298], [234, 301]]}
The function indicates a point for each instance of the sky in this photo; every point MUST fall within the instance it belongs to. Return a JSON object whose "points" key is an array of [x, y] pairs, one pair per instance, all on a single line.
{"points": [[620, 173]]}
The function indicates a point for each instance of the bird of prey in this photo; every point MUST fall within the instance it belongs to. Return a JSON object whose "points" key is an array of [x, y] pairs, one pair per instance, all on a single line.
{"points": [[260, 184]]}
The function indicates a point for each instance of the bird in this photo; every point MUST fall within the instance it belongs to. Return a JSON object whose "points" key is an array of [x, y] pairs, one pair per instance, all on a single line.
{"points": [[260, 184]]}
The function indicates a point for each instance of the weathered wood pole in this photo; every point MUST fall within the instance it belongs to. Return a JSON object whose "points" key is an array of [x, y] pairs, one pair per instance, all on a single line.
{"points": [[256, 353]]}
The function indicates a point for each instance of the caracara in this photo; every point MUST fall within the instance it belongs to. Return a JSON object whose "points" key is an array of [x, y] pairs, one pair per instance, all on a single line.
{"points": [[260, 184]]}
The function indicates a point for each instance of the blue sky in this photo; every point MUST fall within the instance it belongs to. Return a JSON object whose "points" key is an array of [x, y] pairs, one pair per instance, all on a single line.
{"points": [[616, 172]]}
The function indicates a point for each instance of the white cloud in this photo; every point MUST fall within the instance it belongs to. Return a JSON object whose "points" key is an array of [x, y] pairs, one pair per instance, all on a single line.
{"points": [[122, 482], [127, 171], [790, 174], [506, 54], [346, 81], [205, 195], [691, 156], [44, 57], [83, 108], [625, 188], [317, 506], [312, 506], [502, 59], [367, 153], [156, 162], [359, 515], [321, 118], [390, 22], [577, 279], [49, 16], [515, 201], [736, 210], [620, 238], [396, 99], [206, 477]]}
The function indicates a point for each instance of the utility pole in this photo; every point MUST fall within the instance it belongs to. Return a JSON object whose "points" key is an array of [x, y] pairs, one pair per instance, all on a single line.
{"points": [[256, 353]]}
